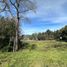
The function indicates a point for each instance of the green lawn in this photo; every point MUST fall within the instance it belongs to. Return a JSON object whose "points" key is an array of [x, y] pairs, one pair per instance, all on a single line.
{"points": [[47, 54]]}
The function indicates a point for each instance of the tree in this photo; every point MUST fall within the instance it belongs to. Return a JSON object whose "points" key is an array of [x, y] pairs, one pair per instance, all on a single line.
{"points": [[49, 34], [57, 35], [7, 32], [34, 36], [41, 36], [17, 9], [63, 32]]}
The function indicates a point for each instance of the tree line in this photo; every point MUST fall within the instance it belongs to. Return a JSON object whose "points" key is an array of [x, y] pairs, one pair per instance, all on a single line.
{"points": [[49, 35]]}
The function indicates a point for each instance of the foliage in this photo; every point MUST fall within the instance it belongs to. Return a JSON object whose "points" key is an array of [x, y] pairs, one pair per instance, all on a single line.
{"points": [[7, 27], [7, 31], [50, 35], [64, 33], [17, 10]]}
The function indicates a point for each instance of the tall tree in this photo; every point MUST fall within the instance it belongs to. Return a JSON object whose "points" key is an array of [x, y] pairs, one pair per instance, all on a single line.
{"points": [[17, 9]]}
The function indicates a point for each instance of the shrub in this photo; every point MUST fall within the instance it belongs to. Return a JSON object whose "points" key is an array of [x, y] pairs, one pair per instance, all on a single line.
{"points": [[33, 46]]}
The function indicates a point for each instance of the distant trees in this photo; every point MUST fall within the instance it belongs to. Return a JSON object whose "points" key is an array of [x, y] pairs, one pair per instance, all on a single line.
{"points": [[57, 35], [50, 35], [63, 32], [34, 36], [41, 36]]}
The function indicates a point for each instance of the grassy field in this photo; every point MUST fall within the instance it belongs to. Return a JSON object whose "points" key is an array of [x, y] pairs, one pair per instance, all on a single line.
{"points": [[45, 54]]}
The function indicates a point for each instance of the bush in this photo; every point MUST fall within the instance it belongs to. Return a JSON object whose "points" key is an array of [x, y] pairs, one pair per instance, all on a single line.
{"points": [[24, 45], [33, 46]]}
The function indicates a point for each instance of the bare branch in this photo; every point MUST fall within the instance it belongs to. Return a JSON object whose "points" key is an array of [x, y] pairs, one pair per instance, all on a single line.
{"points": [[4, 9], [26, 5], [13, 4]]}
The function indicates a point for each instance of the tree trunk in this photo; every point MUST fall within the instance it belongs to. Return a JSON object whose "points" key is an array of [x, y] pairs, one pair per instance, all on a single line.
{"points": [[16, 40], [15, 46], [17, 29], [9, 41]]}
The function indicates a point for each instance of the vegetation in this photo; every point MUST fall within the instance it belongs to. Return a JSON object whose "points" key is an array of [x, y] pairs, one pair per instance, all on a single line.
{"points": [[43, 49], [16, 9], [7, 33], [48, 52], [50, 35], [45, 55]]}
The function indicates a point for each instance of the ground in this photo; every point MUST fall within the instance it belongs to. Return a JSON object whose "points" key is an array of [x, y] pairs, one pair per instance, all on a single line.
{"points": [[46, 54]]}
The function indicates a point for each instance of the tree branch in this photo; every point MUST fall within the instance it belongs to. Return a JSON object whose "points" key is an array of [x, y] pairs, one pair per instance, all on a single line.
{"points": [[13, 4], [2, 10]]}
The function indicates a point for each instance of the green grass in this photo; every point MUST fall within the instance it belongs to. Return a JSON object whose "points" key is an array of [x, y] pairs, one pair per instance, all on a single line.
{"points": [[45, 55]]}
